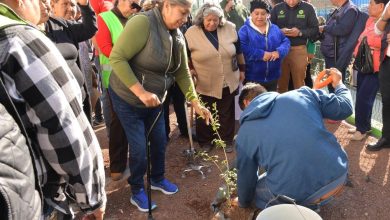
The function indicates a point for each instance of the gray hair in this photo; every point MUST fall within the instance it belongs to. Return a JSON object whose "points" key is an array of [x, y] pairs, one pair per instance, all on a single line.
{"points": [[149, 4], [206, 10]]}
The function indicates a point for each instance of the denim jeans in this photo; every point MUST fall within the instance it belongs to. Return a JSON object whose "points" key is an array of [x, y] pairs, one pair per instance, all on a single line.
{"points": [[265, 198], [136, 123]]}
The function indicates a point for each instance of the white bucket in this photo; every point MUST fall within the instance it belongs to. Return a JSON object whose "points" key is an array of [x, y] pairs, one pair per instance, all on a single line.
{"points": [[288, 212]]}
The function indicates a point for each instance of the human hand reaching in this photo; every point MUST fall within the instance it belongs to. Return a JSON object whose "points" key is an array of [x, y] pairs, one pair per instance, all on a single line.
{"points": [[202, 111], [336, 77]]}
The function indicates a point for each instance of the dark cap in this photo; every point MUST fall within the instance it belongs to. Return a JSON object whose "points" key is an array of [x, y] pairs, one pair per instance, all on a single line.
{"points": [[255, 4]]}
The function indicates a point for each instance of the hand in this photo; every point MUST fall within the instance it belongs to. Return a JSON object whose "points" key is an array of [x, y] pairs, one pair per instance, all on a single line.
{"points": [[274, 56], [294, 32], [267, 56], [336, 77], [321, 28], [202, 111], [235, 201], [310, 57], [149, 99], [96, 215], [285, 30], [242, 76]]}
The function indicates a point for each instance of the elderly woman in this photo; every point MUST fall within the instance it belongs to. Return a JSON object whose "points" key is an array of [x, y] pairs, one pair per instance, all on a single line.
{"points": [[368, 83], [143, 70], [264, 46], [214, 49]]}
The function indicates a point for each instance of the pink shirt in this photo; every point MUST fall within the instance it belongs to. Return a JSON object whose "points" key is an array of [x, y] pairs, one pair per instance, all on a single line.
{"points": [[373, 40]]}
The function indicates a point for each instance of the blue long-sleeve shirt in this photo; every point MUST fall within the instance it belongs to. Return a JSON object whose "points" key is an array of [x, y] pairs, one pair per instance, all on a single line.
{"points": [[285, 134]]}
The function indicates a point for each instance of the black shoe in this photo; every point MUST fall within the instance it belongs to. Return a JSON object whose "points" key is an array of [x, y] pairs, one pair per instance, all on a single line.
{"points": [[382, 143]]}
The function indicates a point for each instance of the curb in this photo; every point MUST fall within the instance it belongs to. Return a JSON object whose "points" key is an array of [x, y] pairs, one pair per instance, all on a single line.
{"points": [[376, 132]]}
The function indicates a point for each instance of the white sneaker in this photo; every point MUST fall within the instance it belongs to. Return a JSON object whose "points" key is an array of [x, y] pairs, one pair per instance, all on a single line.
{"points": [[357, 136], [351, 130]]}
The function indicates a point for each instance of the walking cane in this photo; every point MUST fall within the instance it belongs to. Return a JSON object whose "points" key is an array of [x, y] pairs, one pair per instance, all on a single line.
{"points": [[148, 168]]}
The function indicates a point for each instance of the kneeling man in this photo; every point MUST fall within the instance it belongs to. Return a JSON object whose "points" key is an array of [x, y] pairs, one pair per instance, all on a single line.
{"points": [[285, 135]]}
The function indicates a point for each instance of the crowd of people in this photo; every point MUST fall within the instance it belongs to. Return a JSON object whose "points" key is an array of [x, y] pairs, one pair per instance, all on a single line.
{"points": [[143, 55]]}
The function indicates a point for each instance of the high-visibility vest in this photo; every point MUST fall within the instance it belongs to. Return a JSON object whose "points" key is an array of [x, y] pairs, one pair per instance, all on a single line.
{"points": [[116, 28]]}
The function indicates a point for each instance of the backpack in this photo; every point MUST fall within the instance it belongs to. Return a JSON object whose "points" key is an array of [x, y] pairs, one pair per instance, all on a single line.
{"points": [[20, 192]]}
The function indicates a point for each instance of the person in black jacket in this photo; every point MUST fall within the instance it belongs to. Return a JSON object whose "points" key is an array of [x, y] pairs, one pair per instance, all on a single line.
{"points": [[66, 33], [335, 34], [298, 21]]}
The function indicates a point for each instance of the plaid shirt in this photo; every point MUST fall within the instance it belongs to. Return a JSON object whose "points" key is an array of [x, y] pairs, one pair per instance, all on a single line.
{"points": [[48, 99]]}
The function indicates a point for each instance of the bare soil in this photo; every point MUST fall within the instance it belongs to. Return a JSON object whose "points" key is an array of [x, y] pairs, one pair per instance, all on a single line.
{"points": [[369, 198]]}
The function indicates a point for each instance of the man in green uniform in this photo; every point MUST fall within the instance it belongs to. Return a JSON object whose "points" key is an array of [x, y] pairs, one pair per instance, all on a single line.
{"points": [[298, 21]]}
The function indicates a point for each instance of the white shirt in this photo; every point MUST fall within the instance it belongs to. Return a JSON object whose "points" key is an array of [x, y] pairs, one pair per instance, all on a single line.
{"points": [[379, 32]]}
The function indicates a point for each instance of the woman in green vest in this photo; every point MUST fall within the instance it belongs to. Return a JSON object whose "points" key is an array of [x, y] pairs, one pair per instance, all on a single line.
{"points": [[111, 25], [147, 57]]}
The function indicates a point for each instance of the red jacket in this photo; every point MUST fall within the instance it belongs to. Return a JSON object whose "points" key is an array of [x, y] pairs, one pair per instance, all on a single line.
{"points": [[103, 37]]}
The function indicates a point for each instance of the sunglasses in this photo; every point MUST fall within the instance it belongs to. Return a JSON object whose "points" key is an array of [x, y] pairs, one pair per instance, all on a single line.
{"points": [[135, 6]]}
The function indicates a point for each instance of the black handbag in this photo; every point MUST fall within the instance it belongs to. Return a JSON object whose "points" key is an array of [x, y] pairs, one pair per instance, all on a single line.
{"points": [[363, 60]]}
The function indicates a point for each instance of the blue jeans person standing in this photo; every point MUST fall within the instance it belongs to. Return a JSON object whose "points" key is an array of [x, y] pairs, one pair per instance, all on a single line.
{"points": [[367, 88], [136, 123]]}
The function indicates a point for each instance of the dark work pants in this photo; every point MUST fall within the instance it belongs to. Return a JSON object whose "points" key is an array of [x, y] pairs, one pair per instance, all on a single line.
{"points": [[384, 87], [308, 79], [367, 88], [225, 108], [329, 63], [117, 143], [177, 97]]}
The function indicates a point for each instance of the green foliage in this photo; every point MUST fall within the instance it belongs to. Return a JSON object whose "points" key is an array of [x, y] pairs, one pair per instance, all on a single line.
{"points": [[229, 176]]}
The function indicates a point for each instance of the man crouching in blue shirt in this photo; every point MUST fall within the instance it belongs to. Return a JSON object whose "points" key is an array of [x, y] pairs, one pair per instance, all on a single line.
{"points": [[285, 135]]}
